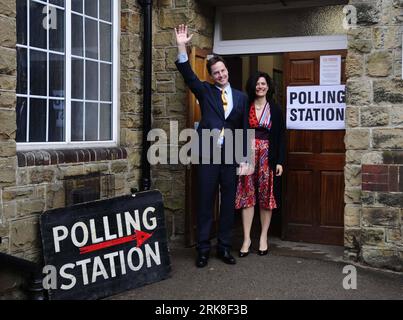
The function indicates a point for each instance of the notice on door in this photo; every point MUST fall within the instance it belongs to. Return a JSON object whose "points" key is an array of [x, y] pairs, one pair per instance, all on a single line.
{"points": [[316, 107], [330, 70]]}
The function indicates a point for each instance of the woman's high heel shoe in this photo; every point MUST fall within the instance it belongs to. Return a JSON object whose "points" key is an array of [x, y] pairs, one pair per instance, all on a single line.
{"points": [[243, 254], [262, 252]]}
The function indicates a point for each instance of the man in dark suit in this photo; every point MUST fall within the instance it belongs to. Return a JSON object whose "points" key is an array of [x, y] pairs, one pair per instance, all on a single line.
{"points": [[222, 107]]}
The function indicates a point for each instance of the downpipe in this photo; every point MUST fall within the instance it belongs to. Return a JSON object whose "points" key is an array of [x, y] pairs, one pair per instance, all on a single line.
{"points": [[147, 54]]}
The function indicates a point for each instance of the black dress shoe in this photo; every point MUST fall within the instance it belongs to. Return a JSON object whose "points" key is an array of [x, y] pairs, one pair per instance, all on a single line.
{"points": [[226, 257], [202, 259], [262, 252], [243, 254]]}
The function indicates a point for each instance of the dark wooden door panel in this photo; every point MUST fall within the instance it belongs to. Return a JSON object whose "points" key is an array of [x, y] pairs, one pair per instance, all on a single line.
{"points": [[332, 198], [322, 235], [302, 71], [300, 141], [300, 209], [314, 161], [314, 190], [333, 141]]}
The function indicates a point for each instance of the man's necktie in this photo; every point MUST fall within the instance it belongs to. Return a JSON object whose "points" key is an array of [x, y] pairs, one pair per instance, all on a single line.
{"points": [[224, 100], [225, 106]]}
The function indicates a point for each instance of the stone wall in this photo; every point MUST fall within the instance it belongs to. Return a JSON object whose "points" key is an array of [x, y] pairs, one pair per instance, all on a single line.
{"points": [[8, 71], [131, 93], [8, 158], [374, 143]]}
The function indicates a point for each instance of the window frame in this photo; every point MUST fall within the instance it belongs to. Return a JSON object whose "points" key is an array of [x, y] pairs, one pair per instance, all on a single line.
{"points": [[115, 112], [274, 45]]}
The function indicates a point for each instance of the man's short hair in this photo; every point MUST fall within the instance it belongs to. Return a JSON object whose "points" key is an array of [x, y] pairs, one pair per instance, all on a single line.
{"points": [[212, 61]]}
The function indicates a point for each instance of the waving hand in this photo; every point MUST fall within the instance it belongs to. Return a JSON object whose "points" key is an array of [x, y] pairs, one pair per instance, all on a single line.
{"points": [[182, 37]]}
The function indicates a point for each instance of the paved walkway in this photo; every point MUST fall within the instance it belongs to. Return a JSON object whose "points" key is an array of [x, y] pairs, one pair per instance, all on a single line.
{"points": [[290, 271]]}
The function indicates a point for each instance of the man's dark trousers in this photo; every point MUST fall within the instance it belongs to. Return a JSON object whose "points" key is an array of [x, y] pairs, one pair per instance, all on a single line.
{"points": [[210, 177]]}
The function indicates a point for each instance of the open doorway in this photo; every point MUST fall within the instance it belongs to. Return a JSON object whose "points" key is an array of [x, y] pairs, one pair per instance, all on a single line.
{"points": [[242, 66], [312, 185], [312, 203]]}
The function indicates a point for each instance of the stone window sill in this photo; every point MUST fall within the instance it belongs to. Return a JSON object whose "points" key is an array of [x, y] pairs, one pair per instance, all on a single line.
{"points": [[54, 157]]}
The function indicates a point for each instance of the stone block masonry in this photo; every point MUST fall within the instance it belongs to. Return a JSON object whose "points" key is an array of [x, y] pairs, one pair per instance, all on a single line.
{"points": [[374, 143]]}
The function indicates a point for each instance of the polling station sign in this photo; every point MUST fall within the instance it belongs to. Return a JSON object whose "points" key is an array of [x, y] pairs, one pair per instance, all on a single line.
{"points": [[316, 107], [97, 249]]}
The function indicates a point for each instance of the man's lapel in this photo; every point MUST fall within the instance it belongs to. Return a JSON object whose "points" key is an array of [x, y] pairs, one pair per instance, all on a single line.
{"points": [[218, 106], [235, 100]]}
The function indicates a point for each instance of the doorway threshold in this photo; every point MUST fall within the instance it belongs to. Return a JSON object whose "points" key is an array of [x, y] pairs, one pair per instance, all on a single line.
{"points": [[305, 250]]}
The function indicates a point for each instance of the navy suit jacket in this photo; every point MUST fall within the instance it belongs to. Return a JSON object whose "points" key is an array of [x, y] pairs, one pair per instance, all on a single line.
{"points": [[211, 107]]}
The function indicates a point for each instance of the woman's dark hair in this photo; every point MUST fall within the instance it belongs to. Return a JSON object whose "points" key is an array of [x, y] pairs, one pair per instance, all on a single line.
{"points": [[213, 60], [251, 85]]}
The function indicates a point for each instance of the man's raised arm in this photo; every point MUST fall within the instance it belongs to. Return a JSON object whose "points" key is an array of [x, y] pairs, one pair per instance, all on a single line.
{"points": [[191, 79], [182, 39]]}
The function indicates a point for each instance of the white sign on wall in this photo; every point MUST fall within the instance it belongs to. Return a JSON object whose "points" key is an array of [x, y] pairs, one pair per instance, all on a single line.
{"points": [[330, 70], [316, 107]]}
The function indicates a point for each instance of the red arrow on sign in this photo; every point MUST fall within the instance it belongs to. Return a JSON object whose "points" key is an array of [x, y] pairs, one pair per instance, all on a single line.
{"points": [[138, 235]]}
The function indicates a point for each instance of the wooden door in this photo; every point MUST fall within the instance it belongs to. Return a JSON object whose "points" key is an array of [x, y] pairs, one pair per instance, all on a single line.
{"points": [[314, 179], [197, 59]]}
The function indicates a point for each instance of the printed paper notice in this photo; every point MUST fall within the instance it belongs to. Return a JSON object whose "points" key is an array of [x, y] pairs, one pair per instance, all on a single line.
{"points": [[330, 70]]}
